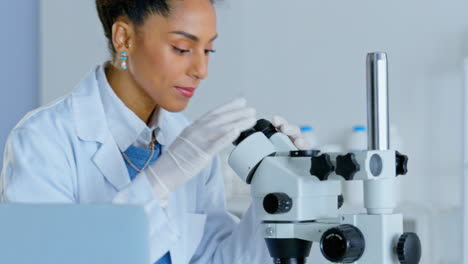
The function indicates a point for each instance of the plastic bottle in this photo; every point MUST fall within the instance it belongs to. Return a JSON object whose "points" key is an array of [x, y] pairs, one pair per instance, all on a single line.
{"points": [[310, 136], [353, 191], [357, 141]]}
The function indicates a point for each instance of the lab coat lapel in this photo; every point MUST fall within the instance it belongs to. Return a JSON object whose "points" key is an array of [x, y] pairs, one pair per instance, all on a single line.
{"points": [[90, 119], [110, 162], [91, 126]]}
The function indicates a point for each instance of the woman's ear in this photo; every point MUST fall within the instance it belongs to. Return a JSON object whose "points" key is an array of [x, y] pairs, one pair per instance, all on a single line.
{"points": [[123, 35]]}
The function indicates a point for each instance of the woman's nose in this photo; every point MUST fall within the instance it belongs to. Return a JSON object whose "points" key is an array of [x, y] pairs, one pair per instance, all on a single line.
{"points": [[199, 69]]}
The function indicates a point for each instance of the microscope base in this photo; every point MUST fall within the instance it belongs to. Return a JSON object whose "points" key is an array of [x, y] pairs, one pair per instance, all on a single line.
{"points": [[380, 232]]}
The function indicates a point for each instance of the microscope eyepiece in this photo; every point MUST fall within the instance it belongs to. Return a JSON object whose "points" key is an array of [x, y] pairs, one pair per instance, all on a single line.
{"points": [[243, 136], [262, 125], [265, 127]]}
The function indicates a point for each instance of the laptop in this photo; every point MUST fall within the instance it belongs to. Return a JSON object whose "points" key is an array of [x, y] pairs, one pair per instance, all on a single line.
{"points": [[73, 234]]}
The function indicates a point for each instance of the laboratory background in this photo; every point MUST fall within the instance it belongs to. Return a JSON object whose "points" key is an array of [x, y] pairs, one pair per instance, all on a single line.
{"points": [[303, 60]]}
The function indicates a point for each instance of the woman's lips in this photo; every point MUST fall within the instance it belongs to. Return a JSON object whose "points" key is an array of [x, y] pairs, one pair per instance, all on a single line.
{"points": [[186, 91]]}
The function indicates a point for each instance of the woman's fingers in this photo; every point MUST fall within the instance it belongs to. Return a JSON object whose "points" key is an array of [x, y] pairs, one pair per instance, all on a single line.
{"points": [[278, 121], [302, 144], [284, 127], [290, 130], [293, 132], [230, 133]]}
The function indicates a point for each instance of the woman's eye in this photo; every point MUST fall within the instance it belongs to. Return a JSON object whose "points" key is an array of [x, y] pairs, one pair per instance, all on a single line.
{"points": [[180, 51], [208, 51]]}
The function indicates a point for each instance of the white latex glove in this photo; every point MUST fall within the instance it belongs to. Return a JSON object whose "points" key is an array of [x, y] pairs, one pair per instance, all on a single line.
{"points": [[292, 131], [196, 146]]}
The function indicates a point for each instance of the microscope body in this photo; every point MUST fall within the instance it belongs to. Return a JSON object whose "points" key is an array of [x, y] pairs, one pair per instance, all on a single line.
{"points": [[297, 194], [293, 203], [318, 201]]}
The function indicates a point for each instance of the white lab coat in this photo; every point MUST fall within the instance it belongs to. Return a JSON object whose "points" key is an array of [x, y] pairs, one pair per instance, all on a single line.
{"points": [[65, 153]]}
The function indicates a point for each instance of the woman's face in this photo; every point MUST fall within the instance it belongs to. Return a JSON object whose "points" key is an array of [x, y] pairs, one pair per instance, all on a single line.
{"points": [[170, 54]]}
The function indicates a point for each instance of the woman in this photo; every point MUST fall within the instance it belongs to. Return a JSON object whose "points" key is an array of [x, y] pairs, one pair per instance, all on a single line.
{"points": [[118, 137]]}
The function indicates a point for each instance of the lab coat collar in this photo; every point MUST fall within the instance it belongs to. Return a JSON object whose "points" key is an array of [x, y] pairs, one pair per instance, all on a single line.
{"points": [[167, 132], [124, 125], [88, 111]]}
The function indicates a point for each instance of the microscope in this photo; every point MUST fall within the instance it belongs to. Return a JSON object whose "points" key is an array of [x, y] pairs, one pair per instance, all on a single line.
{"points": [[297, 194]]}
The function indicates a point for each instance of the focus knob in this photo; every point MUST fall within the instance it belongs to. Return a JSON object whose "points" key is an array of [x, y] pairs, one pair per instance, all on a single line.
{"points": [[321, 166], [342, 244], [340, 201], [409, 249], [401, 164], [347, 166], [277, 203]]}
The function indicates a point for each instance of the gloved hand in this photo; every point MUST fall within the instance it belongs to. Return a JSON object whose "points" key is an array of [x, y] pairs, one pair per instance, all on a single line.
{"points": [[196, 146], [292, 131]]}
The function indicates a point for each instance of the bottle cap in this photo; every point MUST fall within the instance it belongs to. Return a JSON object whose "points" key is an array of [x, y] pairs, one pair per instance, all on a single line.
{"points": [[307, 128], [359, 128]]}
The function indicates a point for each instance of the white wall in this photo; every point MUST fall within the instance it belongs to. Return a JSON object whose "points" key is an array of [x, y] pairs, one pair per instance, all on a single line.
{"points": [[19, 63], [71, 44], [306, 61]]}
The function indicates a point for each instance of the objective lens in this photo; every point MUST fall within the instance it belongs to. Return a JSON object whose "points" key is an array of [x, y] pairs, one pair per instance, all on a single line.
{"points": [[289, 261]]}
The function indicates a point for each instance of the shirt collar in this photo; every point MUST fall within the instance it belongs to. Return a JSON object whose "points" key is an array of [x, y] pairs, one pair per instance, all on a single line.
{"points": [[125, 126]]}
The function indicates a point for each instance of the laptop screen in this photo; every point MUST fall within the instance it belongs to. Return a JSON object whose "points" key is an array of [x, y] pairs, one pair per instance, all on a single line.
{"points": [[73, 234]]}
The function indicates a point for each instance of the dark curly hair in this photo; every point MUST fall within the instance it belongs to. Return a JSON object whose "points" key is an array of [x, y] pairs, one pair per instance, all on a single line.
{"points": [[135, 10]]}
